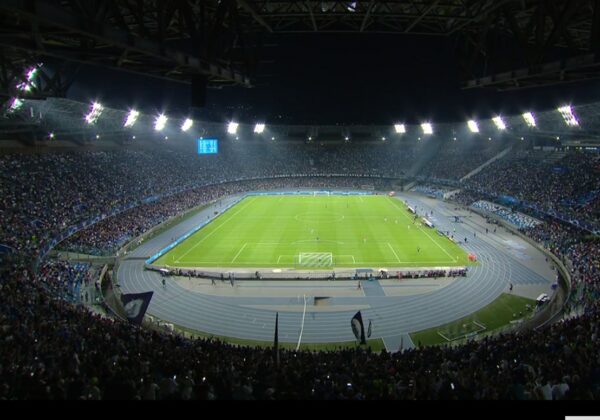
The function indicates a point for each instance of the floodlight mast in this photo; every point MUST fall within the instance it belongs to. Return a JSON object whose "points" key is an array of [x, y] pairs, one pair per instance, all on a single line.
{"points": [[427, 128], [160, 122], [132, 118], [529, 119], [473, 126], [232, 127], [187, 124], [259, 128], [568, 115], [499, 122]]}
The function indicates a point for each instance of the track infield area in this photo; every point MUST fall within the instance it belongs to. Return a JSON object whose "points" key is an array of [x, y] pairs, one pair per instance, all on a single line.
{"points": [[316, 232]]}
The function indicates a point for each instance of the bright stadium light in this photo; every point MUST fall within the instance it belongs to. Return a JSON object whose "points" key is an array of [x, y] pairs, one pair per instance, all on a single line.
{"points": [[568, 116], [160, 122], [232, 127], [95, 112], [473, 126], [529, 119], [259, 128], [499, 123], [187, 124], [51, 135], [29, 75], [15, 105], [400, 128], [427, 128], [131, 118]]}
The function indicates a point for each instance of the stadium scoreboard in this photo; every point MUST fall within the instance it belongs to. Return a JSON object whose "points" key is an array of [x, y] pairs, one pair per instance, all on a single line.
{"points": [[208, 146]]}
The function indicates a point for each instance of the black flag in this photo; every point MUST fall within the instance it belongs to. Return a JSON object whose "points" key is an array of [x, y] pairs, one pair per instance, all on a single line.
{"points": [[370, 330], [358, 328], [135, 306], [276, 340]]}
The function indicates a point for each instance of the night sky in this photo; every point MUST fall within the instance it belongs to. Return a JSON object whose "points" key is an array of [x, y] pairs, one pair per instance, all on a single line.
{"points": [[337, 79]]}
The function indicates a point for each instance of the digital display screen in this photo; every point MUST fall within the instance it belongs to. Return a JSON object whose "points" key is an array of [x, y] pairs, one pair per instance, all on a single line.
{"points": [[208, 146]]}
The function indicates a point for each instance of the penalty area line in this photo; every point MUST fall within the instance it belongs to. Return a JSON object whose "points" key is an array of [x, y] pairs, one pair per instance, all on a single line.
{"points": [[239, 252], [396, 255]]}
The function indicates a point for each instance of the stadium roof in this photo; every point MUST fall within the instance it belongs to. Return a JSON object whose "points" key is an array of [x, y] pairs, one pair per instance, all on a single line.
{"points": [[434, 48]]}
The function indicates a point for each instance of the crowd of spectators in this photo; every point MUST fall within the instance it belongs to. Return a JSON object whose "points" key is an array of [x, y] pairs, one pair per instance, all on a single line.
{"points": [[455, 162], [107, 236], [515, 218], [432, 190], [581, 255], [568, 188], [65, 279], [53, 348], [45, 193]]}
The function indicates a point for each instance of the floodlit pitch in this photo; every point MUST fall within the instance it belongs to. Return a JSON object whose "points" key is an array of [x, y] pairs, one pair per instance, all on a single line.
{"points": [[316, 232]]}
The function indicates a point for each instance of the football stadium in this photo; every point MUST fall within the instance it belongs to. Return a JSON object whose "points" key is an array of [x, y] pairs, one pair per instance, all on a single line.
{"points": [[249, 200]]}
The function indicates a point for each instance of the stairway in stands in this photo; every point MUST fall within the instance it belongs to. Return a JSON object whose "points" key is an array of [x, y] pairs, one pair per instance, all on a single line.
{"points": [[499, 156]]}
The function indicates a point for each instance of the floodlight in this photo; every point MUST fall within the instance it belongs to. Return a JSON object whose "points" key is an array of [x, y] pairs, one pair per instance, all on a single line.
{"points": [[15, 105], [400, 128], [131, 118], [499, 122], [529, 119], [383, 139], [187, 124], [97, 136], [346, 138], [568, 116], [232, 127], [259, 128], [427, 128], [95, 112], [29, 75], [160, 122], [51, 135], [473, 126]]}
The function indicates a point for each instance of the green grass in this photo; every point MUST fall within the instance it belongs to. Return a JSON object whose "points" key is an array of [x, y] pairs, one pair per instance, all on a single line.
{"points": [[498, 314], [321, 231], [375, 345]]}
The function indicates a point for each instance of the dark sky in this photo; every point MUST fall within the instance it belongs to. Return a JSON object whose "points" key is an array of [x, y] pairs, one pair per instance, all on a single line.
{"points": [[329, 79]]}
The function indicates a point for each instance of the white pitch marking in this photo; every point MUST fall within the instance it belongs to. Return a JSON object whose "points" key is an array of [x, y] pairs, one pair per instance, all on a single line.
{"points": [[396, 255], [217, 228], [426, 234], [239, 252]]}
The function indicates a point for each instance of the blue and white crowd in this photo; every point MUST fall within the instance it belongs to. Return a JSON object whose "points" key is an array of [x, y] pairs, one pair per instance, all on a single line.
{"points": [[51, 347]]}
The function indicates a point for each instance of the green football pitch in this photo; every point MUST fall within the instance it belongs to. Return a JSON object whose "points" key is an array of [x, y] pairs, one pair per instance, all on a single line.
{"points": [[316, 232]]}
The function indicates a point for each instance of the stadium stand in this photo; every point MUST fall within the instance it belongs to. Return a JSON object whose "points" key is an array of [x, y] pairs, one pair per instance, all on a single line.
{"points": [[54, 348]]}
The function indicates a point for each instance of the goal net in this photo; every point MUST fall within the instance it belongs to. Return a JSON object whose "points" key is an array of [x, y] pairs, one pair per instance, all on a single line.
{"points": [[315, 259]]}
